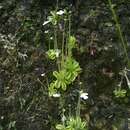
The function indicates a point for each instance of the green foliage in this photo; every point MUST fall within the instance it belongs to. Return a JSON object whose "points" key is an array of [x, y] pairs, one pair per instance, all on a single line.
{"points": [[72, 68], [61, 127], [71, 44], [68, 67], [53, 54], [72, 124], [120, 93], [62, 79], [66, 76], [72, 41], [76, 124], [52, 89], [55, 17]]}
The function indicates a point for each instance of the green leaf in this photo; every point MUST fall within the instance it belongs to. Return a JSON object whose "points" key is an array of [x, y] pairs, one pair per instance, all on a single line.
{"points": [[64, 87], [59, 127], [55, 73], [72, 41]]}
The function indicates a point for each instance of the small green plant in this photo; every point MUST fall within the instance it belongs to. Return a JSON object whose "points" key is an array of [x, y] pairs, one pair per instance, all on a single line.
{"points": [[62, 79], [120, 93], [71, 44], [76, 123], [72, 41], [68, 67], [53, 54], [72, 68], [65, 76], [51, 88], [55, 17], [73, 123]]}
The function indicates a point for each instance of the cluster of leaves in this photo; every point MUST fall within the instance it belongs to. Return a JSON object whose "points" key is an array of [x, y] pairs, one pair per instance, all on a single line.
{"points": [[65, 76], [120, 93], [53, 54], [72, 124]]}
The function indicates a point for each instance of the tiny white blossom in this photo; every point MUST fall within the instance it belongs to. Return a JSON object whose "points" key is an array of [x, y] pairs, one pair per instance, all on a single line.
{"points": [[56, 95], [2, 117], [57, 53], [46, 31], [51, 38], [63, 118], [43, 74], [1, 7], [46, 22], [84, 96], [60, 12]]}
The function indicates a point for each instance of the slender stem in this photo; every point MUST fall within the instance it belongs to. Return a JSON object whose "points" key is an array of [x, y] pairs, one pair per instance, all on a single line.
{"points": [[57, 5], [63, 41], [66, 46], [56, 45], [69, 34], [70, 110], [49, 42], [120, 34], [79, 100], [78, 106], [55, 38], [69, 25], [62, 102]]}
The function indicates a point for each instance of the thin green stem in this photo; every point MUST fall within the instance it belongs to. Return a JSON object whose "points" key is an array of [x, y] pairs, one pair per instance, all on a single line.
{"points": [[78, 106], [79, 100], [63, 42], [120, 34], [56, 46], [57, 5], [55, 38], [66, 46], [70, 110], [49, 42], [69, 34], [69, 25]]}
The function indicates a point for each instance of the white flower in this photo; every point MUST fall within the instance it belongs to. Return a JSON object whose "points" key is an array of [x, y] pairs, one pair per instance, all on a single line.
{"points": [[2, 117], [84, 96], [46, 22], [46, 31], [60, 12], [57, 52], [63, 118], [51, 38], [1, 7], [56, 95], [43, 74]]}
